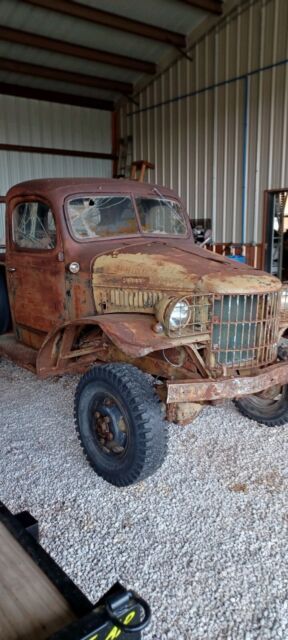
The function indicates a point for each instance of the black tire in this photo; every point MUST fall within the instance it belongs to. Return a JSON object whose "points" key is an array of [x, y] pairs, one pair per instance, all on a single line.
{"points": [[132, 444], [273, 412], [4, 306]]}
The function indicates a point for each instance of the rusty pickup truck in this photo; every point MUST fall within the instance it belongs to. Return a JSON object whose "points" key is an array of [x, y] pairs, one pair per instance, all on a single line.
{"points": [[102, 277]]}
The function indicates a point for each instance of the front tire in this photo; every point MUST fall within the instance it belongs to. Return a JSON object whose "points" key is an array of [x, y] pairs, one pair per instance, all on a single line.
{"points": [[271, 411], [120, 424]]}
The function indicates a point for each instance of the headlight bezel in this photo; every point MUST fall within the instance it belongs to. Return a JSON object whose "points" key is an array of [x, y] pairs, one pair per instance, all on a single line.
{"points": [[165, 310], [180, 320]]}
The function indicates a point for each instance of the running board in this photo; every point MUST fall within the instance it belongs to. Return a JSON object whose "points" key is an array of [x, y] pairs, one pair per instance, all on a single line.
{"points": [[19, 353]]}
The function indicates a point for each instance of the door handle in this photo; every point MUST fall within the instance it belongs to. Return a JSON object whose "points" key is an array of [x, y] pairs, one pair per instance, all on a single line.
{"points": [[11, 269]]}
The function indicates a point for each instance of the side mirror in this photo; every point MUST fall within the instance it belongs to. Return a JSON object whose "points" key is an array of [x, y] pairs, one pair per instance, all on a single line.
{"points": [[206, 241]]}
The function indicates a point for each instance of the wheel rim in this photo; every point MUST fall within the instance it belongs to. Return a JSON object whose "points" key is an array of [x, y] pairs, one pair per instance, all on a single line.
{"points": [[108, 425]]}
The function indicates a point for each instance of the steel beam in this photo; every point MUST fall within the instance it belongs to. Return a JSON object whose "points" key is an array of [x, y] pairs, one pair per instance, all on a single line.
{"points": [[56, 152], [16, 66], [55, 96], [112, 20], [75, 50], [210, 6]]}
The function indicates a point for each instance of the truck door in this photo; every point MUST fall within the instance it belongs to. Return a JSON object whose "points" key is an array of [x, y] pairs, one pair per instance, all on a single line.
{"points": [[35, 270]]}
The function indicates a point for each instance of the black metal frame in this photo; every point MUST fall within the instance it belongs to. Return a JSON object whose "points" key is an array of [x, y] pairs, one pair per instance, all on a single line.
{"points": [[94, 620]]}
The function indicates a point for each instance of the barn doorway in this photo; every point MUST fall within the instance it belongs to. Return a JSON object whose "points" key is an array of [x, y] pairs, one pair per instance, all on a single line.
{"points": [[276, 240]]}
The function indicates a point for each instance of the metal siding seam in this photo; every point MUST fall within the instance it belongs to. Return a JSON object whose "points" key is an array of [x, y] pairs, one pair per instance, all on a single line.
{"points": [[284, 176], [259, 128], [215, 145], [171, 127], [236, 140], [244, 157], [206, 101], [225, 167], [148, 126], [163, 130], [120, 115], [248, 158], [134, 119], [141, 118], [249, 107], [272, 108], [179, 155], [188, 141], [196, 133], [155, 136]]}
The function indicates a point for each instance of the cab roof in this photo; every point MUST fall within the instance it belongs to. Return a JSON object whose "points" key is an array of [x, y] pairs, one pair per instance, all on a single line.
{"points": [[60, 188]]}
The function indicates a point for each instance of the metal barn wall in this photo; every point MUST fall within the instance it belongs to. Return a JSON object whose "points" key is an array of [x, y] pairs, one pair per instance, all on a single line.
{"points": [[225, 142], [45, 124]]}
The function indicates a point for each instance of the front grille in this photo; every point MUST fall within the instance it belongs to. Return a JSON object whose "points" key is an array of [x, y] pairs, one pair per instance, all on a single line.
{"points": [[113, 299], [200, 316], [245, 329]]}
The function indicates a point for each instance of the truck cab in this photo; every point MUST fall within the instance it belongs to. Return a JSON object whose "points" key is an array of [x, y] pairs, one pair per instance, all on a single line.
{"points": [[103, 278]]}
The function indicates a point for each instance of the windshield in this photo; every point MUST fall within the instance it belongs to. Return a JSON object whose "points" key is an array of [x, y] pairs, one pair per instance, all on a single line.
{"points": [[102, 216], [105, 216], [161, 216]]}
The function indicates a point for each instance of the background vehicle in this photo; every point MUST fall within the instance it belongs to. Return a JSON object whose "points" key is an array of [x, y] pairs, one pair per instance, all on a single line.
{"points": [[102, 277]]}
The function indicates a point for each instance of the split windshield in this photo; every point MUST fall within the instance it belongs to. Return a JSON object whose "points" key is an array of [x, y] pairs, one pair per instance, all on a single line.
{"points": [[105, 216]]}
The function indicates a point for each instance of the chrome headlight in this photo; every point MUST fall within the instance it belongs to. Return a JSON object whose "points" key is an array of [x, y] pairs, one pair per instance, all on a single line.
{"points": [[179, 315], [173, 314]]}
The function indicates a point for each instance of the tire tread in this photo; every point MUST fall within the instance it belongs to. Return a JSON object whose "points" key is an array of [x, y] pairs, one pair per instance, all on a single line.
{"points": [[145, 407]]}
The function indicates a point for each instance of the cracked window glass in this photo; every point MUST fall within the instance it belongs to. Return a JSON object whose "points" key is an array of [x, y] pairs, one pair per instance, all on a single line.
{"points": [[161, 216], [102, 216], [33, 226]]}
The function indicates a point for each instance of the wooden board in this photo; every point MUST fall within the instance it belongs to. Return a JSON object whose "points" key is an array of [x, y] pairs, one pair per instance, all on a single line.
{"points": [[30, 605]]}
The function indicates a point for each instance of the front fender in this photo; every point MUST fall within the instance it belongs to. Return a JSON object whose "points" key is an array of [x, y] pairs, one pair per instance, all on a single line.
{"points": [[131, 333]]}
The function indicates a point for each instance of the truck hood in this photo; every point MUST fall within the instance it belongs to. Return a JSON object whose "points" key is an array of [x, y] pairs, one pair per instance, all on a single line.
{"points": [[164, 267]]}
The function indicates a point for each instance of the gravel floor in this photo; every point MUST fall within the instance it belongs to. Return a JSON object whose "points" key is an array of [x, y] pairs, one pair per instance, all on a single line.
{"points": [[204, 540]]}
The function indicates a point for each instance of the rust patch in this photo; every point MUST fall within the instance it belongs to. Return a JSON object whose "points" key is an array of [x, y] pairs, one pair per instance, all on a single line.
{"points": [[206, 390], [183, 413], [226, 283], [137, 281], [19, 353], [271, 480], [239, 487], [132, 334]]}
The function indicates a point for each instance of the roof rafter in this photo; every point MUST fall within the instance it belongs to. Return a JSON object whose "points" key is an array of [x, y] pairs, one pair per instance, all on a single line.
{"points": [[33, 93], [111, 20], [78, 51], [23, 148], [211, 6], [15, 66]]}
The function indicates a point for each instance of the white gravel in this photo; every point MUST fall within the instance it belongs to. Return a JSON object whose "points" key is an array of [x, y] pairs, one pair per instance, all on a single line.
{"points": [[204, 540]]}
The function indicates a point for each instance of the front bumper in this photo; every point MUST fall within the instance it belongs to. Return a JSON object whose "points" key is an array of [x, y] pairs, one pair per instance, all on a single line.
{"points": [[205, 390]]}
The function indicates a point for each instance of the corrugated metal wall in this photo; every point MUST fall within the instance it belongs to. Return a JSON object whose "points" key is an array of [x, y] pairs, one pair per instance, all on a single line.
{"points": [[221, 146], [43, 124]]}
